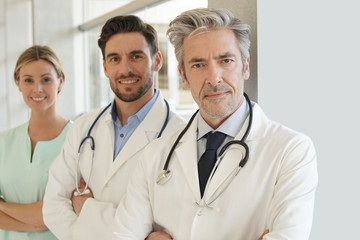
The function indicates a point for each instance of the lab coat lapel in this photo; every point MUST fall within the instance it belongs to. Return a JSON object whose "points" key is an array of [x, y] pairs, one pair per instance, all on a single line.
{"points": [[186, 155], [136, 142], [227, 165], [231, 160], [104, 140], [148, 130]]}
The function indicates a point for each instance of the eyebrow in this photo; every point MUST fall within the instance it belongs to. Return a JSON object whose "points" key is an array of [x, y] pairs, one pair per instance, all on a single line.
{"points": [[131, 53], [225, 55], [221, 56], [194, 60], [45, 74], [111, 55], [137, 52], [27, 75]]}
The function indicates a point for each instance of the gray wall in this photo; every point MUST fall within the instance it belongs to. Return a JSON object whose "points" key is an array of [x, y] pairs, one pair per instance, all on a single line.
{"points": [[309, 80]]}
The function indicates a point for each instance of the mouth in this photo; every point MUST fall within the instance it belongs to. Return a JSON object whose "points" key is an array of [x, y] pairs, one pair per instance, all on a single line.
{"points": [[129, 79], [215, 95], [132, 81], [38, 99]]}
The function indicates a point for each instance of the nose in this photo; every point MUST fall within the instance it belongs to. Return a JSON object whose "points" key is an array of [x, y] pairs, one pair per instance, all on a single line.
{"points": [[214, 74], [125, 67], [38, 87]]}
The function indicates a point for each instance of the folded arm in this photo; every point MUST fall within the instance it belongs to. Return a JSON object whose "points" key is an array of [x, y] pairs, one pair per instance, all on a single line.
{"points": [[86, 207], [21, 217], [134, 222], [291, 211]]}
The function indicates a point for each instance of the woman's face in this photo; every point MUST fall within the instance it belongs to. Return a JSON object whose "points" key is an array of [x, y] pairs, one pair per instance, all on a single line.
{"points": [[39, 84]]}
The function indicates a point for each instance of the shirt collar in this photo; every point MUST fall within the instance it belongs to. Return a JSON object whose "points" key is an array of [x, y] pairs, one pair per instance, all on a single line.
{"points": [[140, 115], [230, 127]]}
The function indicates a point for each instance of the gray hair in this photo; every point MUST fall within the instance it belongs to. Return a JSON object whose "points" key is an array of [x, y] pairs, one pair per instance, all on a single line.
{"points": [[199, 20]]}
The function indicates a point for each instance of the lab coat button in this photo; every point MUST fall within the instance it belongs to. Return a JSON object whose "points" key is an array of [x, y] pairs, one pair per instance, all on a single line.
{"points": [[199, 213]]}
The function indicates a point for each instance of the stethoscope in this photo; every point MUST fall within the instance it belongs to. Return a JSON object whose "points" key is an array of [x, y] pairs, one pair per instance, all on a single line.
{"points": [[92, 145], [165, 175]]}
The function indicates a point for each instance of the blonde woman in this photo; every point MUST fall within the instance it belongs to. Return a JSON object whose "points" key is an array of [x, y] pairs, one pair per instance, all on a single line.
{"points": [[27, 151]]}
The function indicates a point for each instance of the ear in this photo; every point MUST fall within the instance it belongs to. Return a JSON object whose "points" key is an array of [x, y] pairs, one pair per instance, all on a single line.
{"points": [[158, 61], [247, 69], [61, 83], [104, 66], [17, 82], [183, 78]]}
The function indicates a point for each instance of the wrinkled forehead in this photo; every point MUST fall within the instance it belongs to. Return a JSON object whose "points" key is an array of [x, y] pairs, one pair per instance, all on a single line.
{"points": [[212, 43]]}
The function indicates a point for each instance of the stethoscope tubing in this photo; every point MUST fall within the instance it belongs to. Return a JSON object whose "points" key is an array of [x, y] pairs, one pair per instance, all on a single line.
{"points": [[166, 119], [177, 140], [242, 163], [243, 139], [92, 145], [88, 136]]}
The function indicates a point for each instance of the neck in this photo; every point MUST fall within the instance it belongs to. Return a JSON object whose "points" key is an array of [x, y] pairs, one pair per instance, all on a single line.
{"points": [[214, 123], [44, 126], [124, 110], [46, 122], [44, 119]]}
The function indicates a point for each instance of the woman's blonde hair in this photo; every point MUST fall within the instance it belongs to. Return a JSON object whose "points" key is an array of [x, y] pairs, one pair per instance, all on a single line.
{"points": [[35, 53]]}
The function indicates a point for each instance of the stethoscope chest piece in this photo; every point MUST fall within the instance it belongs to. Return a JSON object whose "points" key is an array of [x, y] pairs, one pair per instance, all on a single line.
{"points": [[78, 193], [163, 177]]}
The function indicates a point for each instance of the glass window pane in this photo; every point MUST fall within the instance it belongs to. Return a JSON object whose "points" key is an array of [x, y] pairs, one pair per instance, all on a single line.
{"points": [[96, 8]]}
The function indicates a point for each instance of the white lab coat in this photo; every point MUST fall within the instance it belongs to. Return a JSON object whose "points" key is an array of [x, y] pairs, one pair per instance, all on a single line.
{"points": [[275, 190], [109, 178]]}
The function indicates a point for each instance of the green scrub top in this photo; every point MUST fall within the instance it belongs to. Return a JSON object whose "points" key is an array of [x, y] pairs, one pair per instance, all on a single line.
{"points": [[23, 179]]}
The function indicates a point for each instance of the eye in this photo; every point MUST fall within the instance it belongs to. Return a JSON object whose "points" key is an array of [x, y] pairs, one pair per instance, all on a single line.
{"points": [[27, 80], [136, 57], [197, 65], [47, 80], [114, 59], [227, 60]]}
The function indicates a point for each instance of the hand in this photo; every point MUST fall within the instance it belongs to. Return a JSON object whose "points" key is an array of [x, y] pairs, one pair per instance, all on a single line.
{"points": [[159, 235], [79, 201], [266, 231]]}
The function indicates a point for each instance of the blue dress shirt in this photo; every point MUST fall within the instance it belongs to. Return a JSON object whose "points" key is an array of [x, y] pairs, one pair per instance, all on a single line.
{"points": [[123, 133]]}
